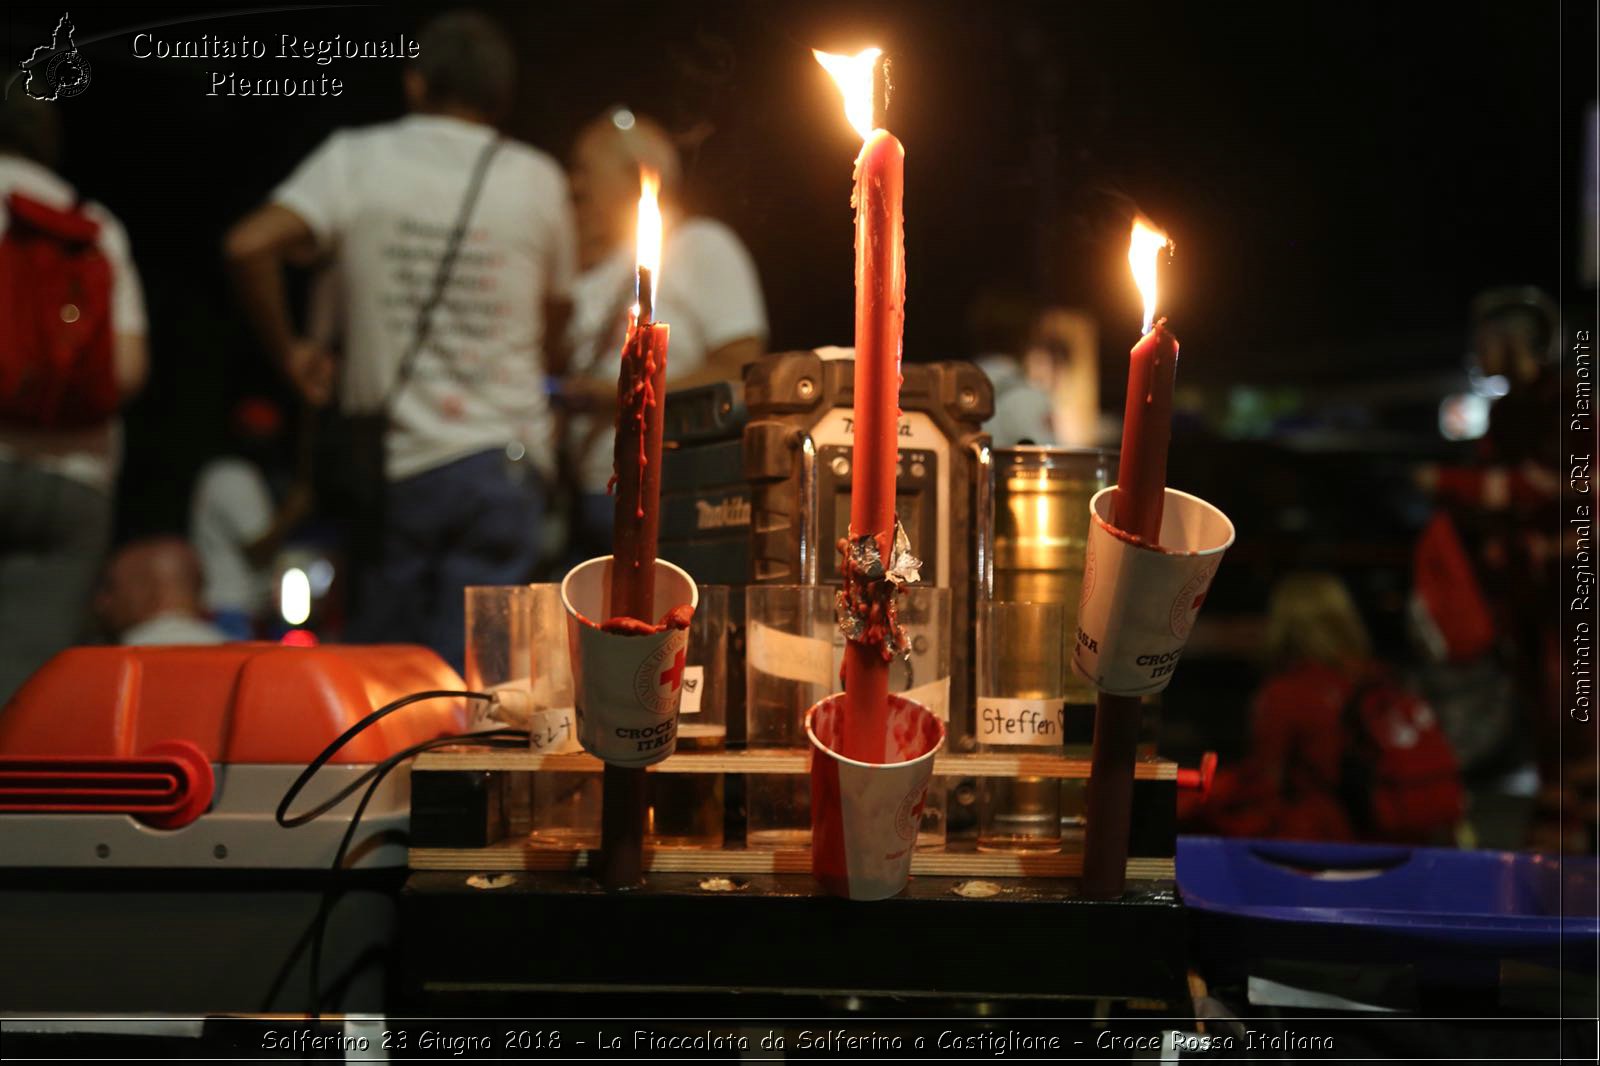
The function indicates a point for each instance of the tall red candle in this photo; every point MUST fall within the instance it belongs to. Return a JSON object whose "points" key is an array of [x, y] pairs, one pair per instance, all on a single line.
{"points": [[1147, 414], [641, 395], [641, 390], [1146, 432], [1137, 504], [880, 318]]}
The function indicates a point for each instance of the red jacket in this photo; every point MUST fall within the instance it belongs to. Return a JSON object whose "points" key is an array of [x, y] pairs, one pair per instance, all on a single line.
{"points": [[1288, 786]]}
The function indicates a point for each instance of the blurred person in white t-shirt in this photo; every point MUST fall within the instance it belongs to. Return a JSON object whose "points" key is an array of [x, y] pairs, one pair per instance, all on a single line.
{"points": [[708, 293], [238, 523], [57, 484], [469, 441]]}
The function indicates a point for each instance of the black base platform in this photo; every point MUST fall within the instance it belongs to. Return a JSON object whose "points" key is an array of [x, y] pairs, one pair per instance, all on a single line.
{"points": [[540, 939]]}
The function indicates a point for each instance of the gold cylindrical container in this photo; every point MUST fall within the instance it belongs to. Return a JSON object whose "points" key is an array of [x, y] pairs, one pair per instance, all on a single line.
{"points": [[1041, 530], [1041, 527]]}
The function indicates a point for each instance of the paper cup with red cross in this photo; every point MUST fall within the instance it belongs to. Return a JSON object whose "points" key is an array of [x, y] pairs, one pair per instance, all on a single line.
{"points": [[865, 816], [626, 686], [1139, 601]]}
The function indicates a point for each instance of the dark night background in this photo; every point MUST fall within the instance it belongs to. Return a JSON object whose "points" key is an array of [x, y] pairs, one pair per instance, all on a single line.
{"points": [[1339, 179]]}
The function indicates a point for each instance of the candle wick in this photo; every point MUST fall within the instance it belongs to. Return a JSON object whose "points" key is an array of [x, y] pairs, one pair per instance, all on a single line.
{"points": [[643, 296]]}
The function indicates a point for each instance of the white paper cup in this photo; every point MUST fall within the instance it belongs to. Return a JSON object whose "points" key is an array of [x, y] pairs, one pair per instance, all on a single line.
{"points": [[1139, 602], [865, 816], [626, 687]]}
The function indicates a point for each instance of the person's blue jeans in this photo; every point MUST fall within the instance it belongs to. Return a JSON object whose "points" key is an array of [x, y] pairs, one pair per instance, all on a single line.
{"points": [[475, 521], [53, 536]]}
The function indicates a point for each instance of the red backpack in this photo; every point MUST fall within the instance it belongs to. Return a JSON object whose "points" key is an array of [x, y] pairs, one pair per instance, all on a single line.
{"points": [[1398, 778], [56, 345], [1447, 584]]}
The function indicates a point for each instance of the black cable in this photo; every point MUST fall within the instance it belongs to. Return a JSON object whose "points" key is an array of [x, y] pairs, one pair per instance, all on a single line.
{"points": [[344, 738], [372, 779], [517, 738], [505, 737]]}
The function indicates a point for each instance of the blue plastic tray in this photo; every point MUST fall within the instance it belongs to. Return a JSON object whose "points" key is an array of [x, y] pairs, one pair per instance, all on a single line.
{"points": [[1436, 907]]}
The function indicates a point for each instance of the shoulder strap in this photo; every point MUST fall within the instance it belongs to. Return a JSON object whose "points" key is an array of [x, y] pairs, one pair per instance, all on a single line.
{"points": [[441, 277], [605, 341]]}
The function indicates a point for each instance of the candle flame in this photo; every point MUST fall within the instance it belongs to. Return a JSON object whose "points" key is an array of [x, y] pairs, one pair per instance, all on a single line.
{"points": [[649, 234], [1144, 252], [854, 76]]}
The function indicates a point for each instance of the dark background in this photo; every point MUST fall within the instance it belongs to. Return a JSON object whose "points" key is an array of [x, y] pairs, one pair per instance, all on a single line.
{"points": [[1339, 179]]}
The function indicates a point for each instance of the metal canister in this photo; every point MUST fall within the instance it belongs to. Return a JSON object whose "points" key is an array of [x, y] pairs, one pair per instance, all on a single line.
{"points": [[1041, 526], [1041, 531]]}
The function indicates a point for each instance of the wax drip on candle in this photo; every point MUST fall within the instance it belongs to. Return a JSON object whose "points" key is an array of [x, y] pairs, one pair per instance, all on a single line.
{"points": [[1155, 360], [866, 605], [640, 348]]}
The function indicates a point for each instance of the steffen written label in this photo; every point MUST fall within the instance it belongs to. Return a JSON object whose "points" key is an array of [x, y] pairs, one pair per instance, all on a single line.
{"points": [[1034, 722]]}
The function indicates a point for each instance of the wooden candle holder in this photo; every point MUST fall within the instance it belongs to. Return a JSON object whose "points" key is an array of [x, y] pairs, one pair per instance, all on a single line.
{"points": [[470, 784]]}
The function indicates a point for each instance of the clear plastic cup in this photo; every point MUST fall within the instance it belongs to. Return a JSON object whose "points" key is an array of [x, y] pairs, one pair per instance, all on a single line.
{"points": [[925, 614], [1021, 707], [793, 655], [565, 806], [497, 637], [686, 810], [790, 664]]}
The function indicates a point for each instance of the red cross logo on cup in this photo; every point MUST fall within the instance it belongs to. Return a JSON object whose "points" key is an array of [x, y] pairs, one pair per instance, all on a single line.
{"points": [[658, 679], [1186, 605], [674, 673]]}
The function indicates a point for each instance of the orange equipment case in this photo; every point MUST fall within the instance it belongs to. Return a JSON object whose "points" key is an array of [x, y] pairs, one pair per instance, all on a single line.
{"points": [[175, 756]]}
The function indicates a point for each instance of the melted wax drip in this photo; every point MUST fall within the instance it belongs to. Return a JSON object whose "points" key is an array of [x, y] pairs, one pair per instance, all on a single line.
{"points": [[644, 395], [639, 346], [677, 618], [871, 600]]}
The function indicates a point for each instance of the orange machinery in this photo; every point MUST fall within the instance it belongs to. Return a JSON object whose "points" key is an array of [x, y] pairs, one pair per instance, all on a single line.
{"points": [[175, 757], [142, 868]]}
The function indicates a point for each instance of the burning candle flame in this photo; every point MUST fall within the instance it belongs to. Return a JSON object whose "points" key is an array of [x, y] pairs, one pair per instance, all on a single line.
{"points": [[649, 235], [1144, 252], [854, 76]]}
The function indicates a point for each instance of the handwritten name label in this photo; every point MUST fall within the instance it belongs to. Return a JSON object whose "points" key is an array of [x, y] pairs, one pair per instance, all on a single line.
{"points": [[553, 731], [1030, 722]]}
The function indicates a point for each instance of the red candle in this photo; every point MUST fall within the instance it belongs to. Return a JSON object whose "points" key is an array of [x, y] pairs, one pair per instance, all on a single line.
{"points": [[641, 394], [1146, 430], [880, 318], [1147, 415], [641, 389], [1136, 511]]}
